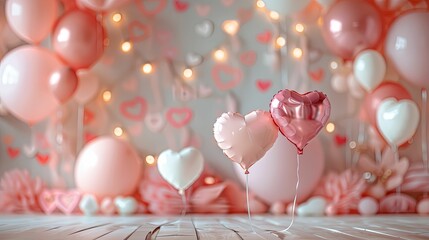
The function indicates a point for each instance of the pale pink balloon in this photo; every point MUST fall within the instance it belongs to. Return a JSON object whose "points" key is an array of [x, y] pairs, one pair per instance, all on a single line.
{"points": [[32, 20], [108, 167], [87, 88], [407, 46], [300, 117], [102, 5], [24, 83], [245, 139], [63, 84], [273, 178], [78, 39], [351, 26]]}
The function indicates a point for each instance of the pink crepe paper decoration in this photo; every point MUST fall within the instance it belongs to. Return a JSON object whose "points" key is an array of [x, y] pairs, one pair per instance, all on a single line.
{"points": [[416, 179]]}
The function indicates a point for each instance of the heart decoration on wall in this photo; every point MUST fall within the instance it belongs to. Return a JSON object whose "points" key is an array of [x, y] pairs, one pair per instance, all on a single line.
{"points": [[181, 5], [65, 201], [263, 84], [154, 122], [265, 37], [193, 59], [42, 158], [181, 169], [205, 28], [234, 75], [245, 139], [138, 31], [317, 75], [248, 58], [13, 152], [151, 8], [134, 109], [179, 117]]}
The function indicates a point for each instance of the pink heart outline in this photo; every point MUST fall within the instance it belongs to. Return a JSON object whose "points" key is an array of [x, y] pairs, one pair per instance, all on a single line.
{"points": [[235, 73], [151, 12], [135, 26], [67, 201], [183, 114], [47, 201], [126, 106]]}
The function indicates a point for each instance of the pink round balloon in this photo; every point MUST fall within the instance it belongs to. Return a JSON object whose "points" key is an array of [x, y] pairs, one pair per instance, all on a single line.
{"points": [[87, 88], [273, 178], [407, 46], [78, 39], [102, 5], [351, 26], [108, 167], [32, 20], [300, 117], [24, 85], [63, 84]]}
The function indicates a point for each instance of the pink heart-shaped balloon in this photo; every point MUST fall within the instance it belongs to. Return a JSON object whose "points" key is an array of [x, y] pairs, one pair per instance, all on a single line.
{"points": [[245, 139], [300, 116]]}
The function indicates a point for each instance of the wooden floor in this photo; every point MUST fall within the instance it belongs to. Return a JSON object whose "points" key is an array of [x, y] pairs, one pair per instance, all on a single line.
{"points": [[212, 227]]}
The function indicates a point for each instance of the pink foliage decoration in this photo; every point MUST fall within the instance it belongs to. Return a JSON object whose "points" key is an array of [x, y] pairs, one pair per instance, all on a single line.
{"points": [[416, 179], [209, 194], [342, 191], [19, 192], [385, 176]]}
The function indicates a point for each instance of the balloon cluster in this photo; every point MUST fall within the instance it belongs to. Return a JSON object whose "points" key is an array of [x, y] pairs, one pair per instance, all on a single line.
{"points": [[36, 80]]}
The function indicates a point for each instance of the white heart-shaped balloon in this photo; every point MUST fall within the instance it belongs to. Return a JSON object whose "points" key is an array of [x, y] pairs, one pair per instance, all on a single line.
{"points": [[314, 206], [369, 69], [397, 120], [88, 205], [193, 59], [126, 205], [205, 28], [181, 169]]}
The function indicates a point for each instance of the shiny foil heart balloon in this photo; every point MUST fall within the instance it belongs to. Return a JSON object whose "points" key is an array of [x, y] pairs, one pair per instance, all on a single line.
{"points": [[300, 116], [245, 139]]}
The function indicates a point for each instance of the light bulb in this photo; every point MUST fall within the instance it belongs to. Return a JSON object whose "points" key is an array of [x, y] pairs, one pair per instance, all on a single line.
{"points": [[147, 68], [281, 41], [209, 180], [150, 159], [352, 145], [260, 4], [126, 46], [297, 52], [330, 127], [274, 15], [333, 65], [230, 26], [107, 96], [219, 55], [117, 17], [187, 73], [299, 27], [118, 131]]}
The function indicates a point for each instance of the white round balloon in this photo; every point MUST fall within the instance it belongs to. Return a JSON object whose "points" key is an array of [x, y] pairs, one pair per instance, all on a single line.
{"points": [[369, 69]]}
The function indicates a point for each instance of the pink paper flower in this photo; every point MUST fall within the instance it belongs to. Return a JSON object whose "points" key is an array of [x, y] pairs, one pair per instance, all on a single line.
{"points": [[19, 192], [385, 176], [207, 195], [398, 203], [342, 191]]}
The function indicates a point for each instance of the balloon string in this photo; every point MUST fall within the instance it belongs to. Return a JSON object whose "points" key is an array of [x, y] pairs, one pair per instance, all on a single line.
{"points": [[396, 159], [80, 119], [248, 202], [296, 194], [424, 127], [184, 202]]}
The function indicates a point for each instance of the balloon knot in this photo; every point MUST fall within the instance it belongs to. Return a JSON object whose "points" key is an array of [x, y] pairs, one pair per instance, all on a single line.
{"points": [[246, 171]]}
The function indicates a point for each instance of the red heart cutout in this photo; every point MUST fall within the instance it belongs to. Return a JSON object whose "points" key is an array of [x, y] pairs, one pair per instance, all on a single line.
{"points": [[235, 76], [67, 201], [42, 158], [134, 109], [317, 75], [13, 152], [88, 116], [89, 137], [179, 117], [244, 15], [264, 37], [152, 10], [138, 31], [263, 85], [300, 117], [340, 140], [248, 58], [181, 6], [47, 201]]}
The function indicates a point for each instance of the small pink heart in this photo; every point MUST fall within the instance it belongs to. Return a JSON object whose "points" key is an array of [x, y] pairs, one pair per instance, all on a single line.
{"points": [[67, 201], [151, 8], [138, 31], [248, 58], [228, 3], [203, 9], [154, 122], [134, 109], [264, 37], [244, 14], [317, 75], [47, 201], [263, 85], [42, 158], [245, 139], [181, 5], [179, 117], [13, 152], [235, 75], [300, 117]]}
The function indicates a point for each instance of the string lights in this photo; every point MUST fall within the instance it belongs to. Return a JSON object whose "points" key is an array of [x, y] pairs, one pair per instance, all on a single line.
{"points": [[107, 96], [280, 41], [150, 159], [118, 131], [330, 127], [188, 73], [126, 46], [297, 53], [219, 55], [260, 4], [117, 17], [299, 27], [230, 27], [147, 68]]}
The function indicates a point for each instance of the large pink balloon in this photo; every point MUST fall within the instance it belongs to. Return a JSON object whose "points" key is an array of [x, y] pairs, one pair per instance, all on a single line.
{"points": [[108, 167], [78, 39], [32, 20], [63, 84], [300, 117], [407, 46], [24, 83], [102, 5], [351, 26], [273, 178]]}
